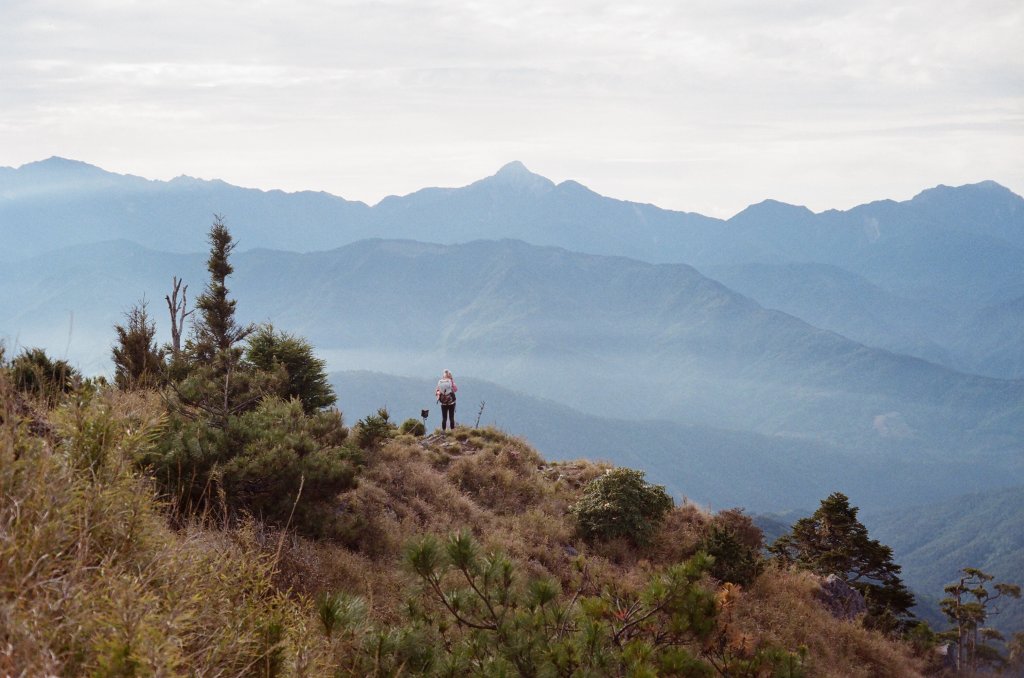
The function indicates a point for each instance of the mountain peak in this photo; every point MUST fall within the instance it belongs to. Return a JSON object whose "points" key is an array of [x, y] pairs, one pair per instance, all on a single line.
{"points": [[513, 168], [58, 165], [515, 174], [983, 189], [772, 212]]}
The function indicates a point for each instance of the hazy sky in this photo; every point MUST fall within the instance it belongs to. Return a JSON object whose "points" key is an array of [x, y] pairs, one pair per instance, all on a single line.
{"points": [[705, 106]]}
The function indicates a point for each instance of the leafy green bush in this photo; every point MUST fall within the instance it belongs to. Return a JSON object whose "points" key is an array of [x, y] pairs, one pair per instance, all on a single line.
{"points": [[621, 504], [413, 427]]}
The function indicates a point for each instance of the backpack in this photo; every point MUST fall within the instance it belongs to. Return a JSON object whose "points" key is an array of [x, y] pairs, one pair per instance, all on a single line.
{"points": [[445, 394]]}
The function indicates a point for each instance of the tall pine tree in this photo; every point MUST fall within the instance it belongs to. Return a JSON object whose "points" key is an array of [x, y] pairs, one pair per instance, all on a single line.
{"points": [[218, 381], [216, 331]]}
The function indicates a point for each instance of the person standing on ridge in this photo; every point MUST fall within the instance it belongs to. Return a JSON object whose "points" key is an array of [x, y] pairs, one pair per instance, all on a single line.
{"points": [[445, 392]]}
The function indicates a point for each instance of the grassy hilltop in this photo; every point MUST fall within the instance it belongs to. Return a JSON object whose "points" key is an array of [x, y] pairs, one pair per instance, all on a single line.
{"points": [[103, 577]]}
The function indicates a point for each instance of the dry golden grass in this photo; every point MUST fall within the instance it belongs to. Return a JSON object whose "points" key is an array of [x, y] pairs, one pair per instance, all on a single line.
{"points": [[492, 484], [93, 581], [781, 609]]}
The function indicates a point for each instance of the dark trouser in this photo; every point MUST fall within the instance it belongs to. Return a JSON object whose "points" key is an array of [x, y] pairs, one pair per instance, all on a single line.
{"points": [[448, 414]]}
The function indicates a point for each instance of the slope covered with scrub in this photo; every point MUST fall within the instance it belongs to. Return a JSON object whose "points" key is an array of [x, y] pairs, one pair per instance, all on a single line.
{"points": [[101, 577]]}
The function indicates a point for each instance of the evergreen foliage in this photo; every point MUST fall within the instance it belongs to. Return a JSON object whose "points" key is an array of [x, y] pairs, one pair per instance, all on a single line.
{"points": [[216, 330], [38, 374], [275, 462], [495, 623], [306, 374], [215, 382], [833, 541], [621, 504], [138, 362], [248, 436], [373, 430], [413, 427], [734, 561], [972, 600], [281, 455]]}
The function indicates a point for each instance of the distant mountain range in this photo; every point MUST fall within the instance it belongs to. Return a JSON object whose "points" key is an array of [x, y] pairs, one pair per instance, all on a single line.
{"points": [[801, 351], [612, 337], [939, 277]]}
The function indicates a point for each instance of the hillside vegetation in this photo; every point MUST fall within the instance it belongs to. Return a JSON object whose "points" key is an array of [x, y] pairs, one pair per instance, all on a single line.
{"points": [[97, 582]]}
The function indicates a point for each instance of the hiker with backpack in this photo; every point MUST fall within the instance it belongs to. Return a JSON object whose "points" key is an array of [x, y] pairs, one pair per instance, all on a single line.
{"points": [[445, 392]]}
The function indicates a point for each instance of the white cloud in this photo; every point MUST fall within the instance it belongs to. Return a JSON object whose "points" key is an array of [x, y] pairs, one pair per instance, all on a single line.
{"points": [[704, 105]]}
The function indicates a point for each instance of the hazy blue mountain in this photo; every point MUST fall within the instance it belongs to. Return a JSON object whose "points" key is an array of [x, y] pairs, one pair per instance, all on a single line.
{"points": [[933, 542], [949, 256], [833, 298], [63, 202], [58, 202], [713, 467], [992, 340], [516, 203], [609, 336], [987, 341], [957, 245]]}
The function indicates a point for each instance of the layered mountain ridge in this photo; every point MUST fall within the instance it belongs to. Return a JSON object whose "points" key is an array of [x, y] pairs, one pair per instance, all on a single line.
{"points": [[946, 262]]}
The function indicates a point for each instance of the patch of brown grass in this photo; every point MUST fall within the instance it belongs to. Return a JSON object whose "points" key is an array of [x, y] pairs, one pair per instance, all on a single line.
{"points": [[94, 582], [781, 609]]}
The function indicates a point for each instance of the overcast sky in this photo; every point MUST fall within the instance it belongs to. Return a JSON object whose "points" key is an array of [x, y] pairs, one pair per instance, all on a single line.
{"points": [[704, 106]]}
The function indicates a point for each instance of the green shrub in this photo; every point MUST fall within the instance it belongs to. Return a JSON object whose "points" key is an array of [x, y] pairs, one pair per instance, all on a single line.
{"points": [[138, 362], [275, 462], [735, 561], [621, 504], [36, 373], [288, 462], [306, 374], [374, 429], [494, 620], [413, 427]]}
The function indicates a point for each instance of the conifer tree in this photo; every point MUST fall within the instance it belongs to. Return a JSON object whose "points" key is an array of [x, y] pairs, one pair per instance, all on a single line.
{"points": [[217, 381], [137, 360], [307, 378], [217, 332], [972, 601], [833, 541]]}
